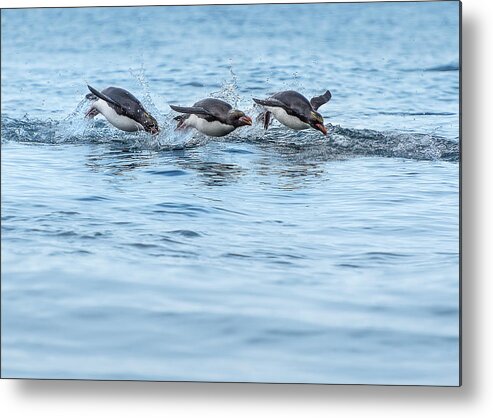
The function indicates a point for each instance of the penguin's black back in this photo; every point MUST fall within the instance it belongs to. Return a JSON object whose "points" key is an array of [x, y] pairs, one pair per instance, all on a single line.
{"points": [[217, 108], [125, 99], [294, 101], [214, 106]]}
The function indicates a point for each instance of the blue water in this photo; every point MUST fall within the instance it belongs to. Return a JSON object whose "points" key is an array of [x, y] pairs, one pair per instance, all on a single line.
{"points": [[275, 256]]}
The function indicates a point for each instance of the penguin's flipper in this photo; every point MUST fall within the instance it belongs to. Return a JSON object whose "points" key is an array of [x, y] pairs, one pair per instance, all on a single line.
{"points": [[181, 121], [194, 110], [92, 112], [269, 102], [104, 97], [266, 119], [318, 101]]}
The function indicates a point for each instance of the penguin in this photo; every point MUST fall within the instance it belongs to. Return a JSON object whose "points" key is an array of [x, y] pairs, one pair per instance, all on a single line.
{"points": [[294, 110], [122, 109], [212, 117]]}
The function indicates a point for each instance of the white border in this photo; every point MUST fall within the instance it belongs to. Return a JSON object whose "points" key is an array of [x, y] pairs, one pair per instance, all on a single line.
{"points": [[130, 399]]}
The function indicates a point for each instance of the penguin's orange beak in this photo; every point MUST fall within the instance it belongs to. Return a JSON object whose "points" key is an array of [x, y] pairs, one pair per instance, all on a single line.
{"points": [[321, 128], [246, 120]]}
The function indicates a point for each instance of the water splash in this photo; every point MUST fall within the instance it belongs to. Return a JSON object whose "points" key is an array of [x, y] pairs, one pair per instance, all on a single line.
{"points": [[340, 143], [229, 90], [141, 78]]}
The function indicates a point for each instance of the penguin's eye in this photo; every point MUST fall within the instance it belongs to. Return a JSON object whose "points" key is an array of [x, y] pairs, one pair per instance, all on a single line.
{"points": [[317, 117]]}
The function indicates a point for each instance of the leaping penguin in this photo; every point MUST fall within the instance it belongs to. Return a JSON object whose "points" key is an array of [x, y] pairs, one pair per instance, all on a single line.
{"points": [[212, 117], [294, 110], [122, 109]]}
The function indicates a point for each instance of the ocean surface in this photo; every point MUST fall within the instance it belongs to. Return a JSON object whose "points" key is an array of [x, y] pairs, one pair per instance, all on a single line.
{"points": [[262, 256]]}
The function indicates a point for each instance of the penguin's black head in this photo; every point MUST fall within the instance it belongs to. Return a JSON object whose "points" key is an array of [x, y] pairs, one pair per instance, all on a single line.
{"points": [[316, 121], [149, 123], [237, 118]]}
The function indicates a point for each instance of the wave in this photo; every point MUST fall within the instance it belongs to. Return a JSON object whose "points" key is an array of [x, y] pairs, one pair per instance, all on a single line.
{"points": [[452, 66], [340, 143], [445, 67]]}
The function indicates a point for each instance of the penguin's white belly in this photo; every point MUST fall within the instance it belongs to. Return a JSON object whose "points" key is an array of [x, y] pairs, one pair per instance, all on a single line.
{"points": [[290, 121], [214, 128], [118, 121]]}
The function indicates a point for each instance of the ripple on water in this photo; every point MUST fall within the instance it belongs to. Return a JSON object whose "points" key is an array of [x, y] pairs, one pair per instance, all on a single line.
{"points": [[186, 233], [92, 198], [181, 209], [168, 173]]}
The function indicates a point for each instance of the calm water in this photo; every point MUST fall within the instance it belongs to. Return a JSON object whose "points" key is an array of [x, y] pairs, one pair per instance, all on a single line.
{"points": [[273, 257]]}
